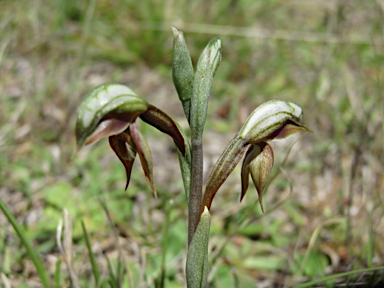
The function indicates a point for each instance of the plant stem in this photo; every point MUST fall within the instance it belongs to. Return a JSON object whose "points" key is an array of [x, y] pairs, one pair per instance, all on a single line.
{"points": [[207, 65], [195, 196]]}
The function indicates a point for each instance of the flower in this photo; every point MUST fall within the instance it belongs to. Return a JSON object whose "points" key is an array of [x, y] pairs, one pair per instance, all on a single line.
{"points": [[110, 110], [275, 119]]}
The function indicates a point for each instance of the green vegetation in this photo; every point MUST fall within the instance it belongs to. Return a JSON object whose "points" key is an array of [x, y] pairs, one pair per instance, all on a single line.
{"points": [[324, 208]]}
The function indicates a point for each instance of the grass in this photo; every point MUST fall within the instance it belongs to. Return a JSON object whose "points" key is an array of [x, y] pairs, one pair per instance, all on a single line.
{"points": [[324, 205]]}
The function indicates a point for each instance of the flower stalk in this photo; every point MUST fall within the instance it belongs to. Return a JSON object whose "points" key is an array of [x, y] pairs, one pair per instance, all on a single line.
{"points": [[207, 65]]}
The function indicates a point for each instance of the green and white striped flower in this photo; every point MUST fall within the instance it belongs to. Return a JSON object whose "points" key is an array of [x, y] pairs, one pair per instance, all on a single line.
{"points": [[110, 110], [275, 119]]}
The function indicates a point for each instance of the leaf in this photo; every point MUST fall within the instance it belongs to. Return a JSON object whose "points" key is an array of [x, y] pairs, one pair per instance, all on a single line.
{"points": [[207, 65], [185, 164], [197, 258], [182, 70], [35, 257], [273, 263], [92, 257]]}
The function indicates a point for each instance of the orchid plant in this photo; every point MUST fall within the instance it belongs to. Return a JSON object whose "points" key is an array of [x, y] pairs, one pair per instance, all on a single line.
{"points": [[112, 110]]}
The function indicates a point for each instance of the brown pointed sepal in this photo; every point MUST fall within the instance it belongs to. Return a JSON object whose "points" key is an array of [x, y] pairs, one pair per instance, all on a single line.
{"points": [[142, 149], [122, 144], [160, 120], [258, 162]]}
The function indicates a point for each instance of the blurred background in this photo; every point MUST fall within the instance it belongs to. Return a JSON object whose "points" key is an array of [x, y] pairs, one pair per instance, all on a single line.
{"points": [[324, 204]]}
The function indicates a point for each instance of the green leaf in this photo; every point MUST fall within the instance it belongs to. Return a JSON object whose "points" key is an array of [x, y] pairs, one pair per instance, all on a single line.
{"points": [[295, 214], [59, 195], [207, 65], [182, 70], [339, 275], [92, 257], [185, 164], [265, 263], [197, 259], [57, 274]]}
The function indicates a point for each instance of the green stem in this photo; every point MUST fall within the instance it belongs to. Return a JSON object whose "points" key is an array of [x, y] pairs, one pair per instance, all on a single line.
{"points": [[194, 204], [31, 252]]}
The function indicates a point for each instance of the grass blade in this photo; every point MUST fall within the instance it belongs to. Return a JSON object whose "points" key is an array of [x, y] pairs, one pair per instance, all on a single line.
{"points": [[335, 276], [112, 278], [165, 244], [57, 274], [30, 251], [92, 257]]}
